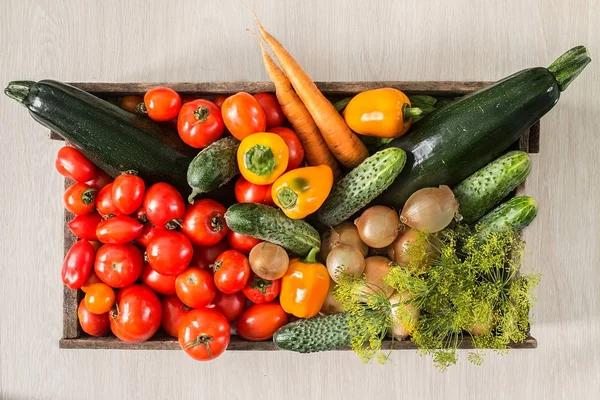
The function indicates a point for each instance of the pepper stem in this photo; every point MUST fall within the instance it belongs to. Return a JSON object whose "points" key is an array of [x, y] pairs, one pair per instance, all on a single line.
{"points": [[408, 112], [260, 160], [568, 66], [18, 90], [201, 113], [287, 198], [311, 258], [341, 105]]}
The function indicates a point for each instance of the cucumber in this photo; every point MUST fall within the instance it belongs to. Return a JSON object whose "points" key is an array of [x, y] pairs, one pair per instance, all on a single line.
{"points": [[271, 224], [213, 167], [314, 334], [483, 190], [514, 215], [361, 185], [459, 138]]}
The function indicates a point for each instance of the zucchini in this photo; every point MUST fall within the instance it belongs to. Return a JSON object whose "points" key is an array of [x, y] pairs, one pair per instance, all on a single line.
{"points": [[361, 185], [483, 190], [112, 138], [271, 224], [514, 215], [459, 138], [314, 334], [213, 167]]}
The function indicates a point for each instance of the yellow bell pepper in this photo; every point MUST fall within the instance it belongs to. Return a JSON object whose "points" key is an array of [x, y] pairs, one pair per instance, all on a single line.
{"points": [[304, 287], [384, 113], [302, 191], [262, 157]]}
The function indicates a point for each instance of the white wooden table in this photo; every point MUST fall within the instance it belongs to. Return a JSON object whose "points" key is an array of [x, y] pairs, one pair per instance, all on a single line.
{"points": [[176, 40]]}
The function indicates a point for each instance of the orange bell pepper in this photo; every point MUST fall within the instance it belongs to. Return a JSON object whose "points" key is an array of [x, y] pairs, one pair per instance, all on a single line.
{"points": [[304, 287], [302, 191], [384, 113], [262, 157]]}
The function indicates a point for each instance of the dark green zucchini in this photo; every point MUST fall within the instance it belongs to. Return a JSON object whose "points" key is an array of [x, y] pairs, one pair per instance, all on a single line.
{"points": [[112, 138], [456, 140]]}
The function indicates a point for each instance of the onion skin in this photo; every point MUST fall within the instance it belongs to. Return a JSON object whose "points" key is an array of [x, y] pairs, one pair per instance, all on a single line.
{"points": [[344, 258], [399, 251], [375, 269], [268, 260], [344, 233], [430, 209], [402, 329], [330, 305], [378, 226]]}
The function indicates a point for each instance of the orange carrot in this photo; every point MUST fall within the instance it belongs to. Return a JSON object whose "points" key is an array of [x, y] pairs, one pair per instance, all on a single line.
{"points": [[340, 139], [316, 151]]}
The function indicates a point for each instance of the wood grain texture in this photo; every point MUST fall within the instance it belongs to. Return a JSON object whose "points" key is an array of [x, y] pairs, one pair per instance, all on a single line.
{"points": [[336, 40]]}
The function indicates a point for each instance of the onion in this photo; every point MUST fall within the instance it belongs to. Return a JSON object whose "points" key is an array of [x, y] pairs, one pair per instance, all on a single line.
{"points": [[400, 252], [404, 316], [344, 233], [345, 258], [430, 209], [331, 306], [378, 226], [375, 269], [268, 260]]}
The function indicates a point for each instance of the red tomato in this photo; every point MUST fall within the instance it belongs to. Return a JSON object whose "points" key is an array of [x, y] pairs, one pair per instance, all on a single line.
{"points": [[204, 334], [140, 214], [99, 298], [70, 163], [200, 123], [204, 256], [118, 265], [92, 324], [232, 271], [243, 115], [136, 315], [84, 226], [240, 242], [119, 229], [259, 290], [104, 202], [246, 192], [80, 199], [261, 321], [230, 305], [204, 222], [195, 287], [169, 252], [294, 145], [163, 205], [130, 103], [270, 105], [128, 192], [78, 264], [173, 312], [162, 284], [148, 233], [218, 100], [102, 179], [162, 104], [93, 278]]}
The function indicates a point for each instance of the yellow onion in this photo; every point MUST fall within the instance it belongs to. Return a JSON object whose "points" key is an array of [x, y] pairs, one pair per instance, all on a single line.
{"points": [[330, 305], [404, 316], [344, 233], [344, 258], [402, 251], [430, 209], [378, 226], [375, 269]]}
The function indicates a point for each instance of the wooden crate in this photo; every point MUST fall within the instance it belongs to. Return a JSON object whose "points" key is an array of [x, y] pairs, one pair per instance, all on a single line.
{"points": [[74, 338]]}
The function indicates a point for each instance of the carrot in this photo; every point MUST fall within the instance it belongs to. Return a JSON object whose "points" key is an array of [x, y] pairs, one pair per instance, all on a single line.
{"points": [[340, 139], [316, 151]]}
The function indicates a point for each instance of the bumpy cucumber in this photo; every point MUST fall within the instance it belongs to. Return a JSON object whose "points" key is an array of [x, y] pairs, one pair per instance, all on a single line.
{"points": [[314, 334], [514, 215]]}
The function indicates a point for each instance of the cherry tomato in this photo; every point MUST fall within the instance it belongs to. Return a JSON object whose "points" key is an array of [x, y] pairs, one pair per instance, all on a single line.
{"points": [[78, 264], [294, 145], [118, 265], [243, 115], [102, 179], [130, 103], [259, 290], [136, 315], [240, 242], [204, 222], [162, 104], [246, 192], [163, 205], [84, 226], [204, 334], [128, 192], [173, 312], [104, 202], [92, 324], [270, 105], [200, 123], [70, 163], [162, 284], [232, 271], [261, 321], [93, 278], [219, 100], [119, 229], [99, 298], [140, 214], [169, 252], [80, 199], [204, 256], [230, 305], [148, 233], [195, 287]]}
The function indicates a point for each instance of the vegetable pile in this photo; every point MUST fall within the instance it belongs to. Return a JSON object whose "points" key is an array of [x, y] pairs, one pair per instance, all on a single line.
{"points": [[288, 217]]}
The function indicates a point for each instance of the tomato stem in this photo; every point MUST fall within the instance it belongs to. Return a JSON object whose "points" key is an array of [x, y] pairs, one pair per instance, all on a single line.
{"points": [[216, 265], [203, 340], [141, 108], [88, 196], [173, 224], [261, 284], [201, 113], [114, 312], [217, 223]]}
